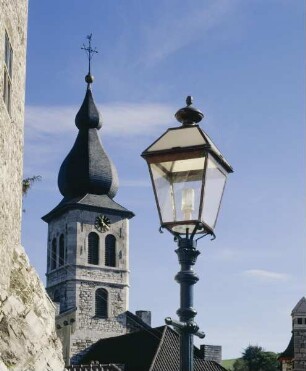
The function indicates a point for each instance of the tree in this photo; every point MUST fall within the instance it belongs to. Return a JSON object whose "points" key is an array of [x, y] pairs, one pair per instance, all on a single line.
{"points": [[270, 361], [239, 365], [254, 358]]}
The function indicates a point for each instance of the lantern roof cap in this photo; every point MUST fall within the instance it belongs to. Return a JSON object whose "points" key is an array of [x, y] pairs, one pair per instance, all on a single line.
{"points": [[183, 138], [187, 136], [189, 115]]}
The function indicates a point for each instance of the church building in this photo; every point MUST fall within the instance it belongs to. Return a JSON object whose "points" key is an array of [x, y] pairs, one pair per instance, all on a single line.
{"points": [[88, 243]]}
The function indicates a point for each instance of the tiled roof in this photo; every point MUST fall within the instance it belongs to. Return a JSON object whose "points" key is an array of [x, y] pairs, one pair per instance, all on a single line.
{"points": [[168, 355], [135, 350], [155, 349]]}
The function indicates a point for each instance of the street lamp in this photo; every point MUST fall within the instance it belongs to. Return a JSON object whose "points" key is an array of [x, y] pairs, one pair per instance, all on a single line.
{"points": [[188, 175]]}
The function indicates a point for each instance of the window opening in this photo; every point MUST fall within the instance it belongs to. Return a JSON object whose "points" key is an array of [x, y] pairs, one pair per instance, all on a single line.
{"points": [[53, 254], [101, 303], [61, 251], [48, 258], [110, 251], [93, 248]]}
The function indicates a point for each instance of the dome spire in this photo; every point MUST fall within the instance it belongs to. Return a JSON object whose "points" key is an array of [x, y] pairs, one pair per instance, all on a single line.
{"points": [[90, 53], [88, 115], [87, 168]]}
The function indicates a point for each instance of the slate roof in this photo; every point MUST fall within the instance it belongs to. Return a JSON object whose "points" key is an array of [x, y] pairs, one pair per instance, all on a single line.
{"points": [[155, 349], [300, 308], [87, 168], [137, 321], [91, 202], [288, 354]]}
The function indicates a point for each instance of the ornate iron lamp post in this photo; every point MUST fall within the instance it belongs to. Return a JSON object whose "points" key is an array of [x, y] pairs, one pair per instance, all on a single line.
{"points": [[188, 175]]}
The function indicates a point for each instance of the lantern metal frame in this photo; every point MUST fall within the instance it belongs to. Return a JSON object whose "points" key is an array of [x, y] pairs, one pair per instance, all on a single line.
{"points": [[187, 252], [185, 153]]}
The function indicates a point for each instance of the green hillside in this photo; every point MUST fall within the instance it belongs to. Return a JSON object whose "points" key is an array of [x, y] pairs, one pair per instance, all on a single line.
{"points": [[228, 363]]}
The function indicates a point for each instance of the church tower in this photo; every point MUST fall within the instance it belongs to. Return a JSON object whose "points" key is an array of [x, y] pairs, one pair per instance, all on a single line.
{"points": [[88, 242], [299, 335]]}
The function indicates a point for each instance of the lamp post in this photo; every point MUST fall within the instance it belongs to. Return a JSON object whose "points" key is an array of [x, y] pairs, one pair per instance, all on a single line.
{"points": [[188, 175]]}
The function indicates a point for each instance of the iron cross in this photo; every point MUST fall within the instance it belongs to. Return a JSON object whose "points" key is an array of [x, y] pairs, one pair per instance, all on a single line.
{"points": [[89, 51]]}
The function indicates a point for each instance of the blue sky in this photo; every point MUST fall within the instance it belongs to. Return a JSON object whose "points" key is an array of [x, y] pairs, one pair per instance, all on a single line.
{"points": [[243, 61]]}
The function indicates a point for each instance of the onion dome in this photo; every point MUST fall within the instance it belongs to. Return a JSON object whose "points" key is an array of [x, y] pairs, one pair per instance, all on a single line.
{"points": [[87, 168]]}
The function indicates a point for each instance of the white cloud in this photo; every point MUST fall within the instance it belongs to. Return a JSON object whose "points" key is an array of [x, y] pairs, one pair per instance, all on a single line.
{"points": [[45, 120], [264, 275], [119, 118], [50, 132]]}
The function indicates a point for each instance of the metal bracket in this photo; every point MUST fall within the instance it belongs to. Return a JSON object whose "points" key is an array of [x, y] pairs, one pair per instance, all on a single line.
{"points": [[189, 327]]}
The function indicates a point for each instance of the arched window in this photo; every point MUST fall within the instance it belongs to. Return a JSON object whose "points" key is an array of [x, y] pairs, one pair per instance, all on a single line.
{"points": [[61, 250], [101, 303], [110, 251], [93, 248], [53, 253]]}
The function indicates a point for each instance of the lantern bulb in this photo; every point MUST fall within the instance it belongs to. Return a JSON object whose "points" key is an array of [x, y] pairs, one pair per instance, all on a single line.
{"points": [[187, 203]]}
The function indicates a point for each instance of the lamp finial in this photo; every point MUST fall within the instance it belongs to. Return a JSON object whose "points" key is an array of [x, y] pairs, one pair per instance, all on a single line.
{"points": [[189, 115], [189, 100]]}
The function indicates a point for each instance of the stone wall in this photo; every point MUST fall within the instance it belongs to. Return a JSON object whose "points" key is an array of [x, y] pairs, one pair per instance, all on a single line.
{"points": [[75, 283], [299, 349], [13, 21], [28, 339]]}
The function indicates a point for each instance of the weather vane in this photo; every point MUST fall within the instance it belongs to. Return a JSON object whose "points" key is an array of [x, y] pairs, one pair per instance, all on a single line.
{"points": [[89, 51]]}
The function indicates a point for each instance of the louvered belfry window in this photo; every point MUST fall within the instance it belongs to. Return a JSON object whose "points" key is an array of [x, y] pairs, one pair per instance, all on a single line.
{"points": [[93, 248], [53, 253], [61, 250], [110, 251], [101, 303]]}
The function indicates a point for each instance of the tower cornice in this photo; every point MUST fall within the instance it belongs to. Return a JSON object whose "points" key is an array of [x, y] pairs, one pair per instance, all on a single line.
{"points": [[89, 202]]}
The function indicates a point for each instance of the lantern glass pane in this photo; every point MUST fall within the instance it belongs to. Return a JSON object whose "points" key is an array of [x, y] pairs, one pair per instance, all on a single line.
{"points": [[178, 188], [215, 179]]}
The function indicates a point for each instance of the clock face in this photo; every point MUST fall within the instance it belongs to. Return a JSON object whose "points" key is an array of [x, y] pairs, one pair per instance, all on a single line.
{"points": [[102, 223]]}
